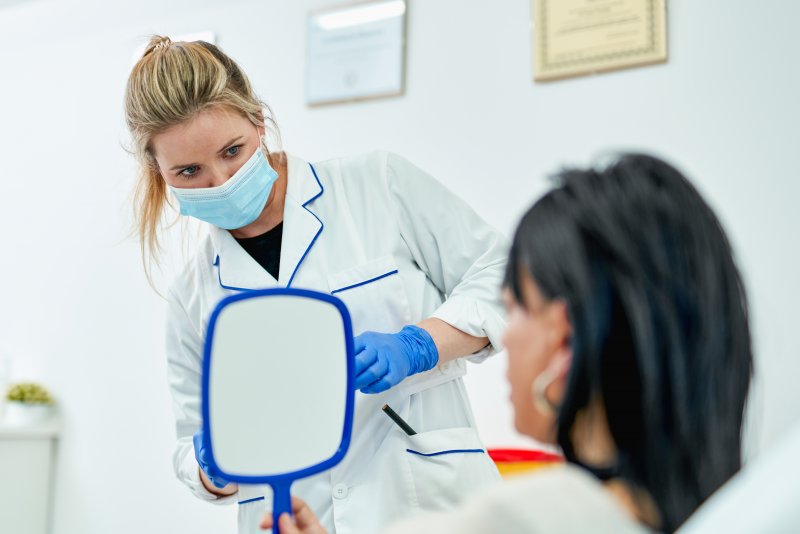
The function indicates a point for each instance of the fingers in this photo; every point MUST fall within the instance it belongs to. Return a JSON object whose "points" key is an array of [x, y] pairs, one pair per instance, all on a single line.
{"points": [[304, 521], [365, 358], [200, 453], [287, 526], [202, 460], [389, 379], [298, 504], [284, 522], [218, 482], [373, 373], [359, 343], [304, 516], [197, 441], [379, 386]]}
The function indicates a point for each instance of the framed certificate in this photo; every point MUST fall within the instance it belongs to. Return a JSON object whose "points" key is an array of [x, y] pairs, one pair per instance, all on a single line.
{"points": [[575, 37], [356, 52]]}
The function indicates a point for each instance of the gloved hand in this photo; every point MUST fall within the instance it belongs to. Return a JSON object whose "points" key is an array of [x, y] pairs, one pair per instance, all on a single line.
{"points": [[384, 360], [201, 455]]}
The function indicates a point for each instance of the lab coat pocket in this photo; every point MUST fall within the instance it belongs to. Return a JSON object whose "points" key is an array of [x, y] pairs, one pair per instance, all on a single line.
{"points": [[254, 501], [374, 295], [447, 465]]}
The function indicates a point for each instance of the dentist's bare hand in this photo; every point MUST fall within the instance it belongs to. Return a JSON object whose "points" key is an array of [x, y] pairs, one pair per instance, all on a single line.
{"points": [[304, 521]]}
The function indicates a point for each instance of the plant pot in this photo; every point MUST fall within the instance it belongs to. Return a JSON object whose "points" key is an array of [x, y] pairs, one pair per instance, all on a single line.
{"points": [[24, 414]]}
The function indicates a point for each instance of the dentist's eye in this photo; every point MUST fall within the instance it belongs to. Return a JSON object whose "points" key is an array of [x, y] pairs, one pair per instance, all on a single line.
{"points": [[232, 151], [188, 172]]}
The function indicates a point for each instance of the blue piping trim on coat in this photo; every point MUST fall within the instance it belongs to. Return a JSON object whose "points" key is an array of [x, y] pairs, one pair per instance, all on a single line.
{"points": [[219, 277], [365, 282], [443, 452], [252, 500], [321, 227]]}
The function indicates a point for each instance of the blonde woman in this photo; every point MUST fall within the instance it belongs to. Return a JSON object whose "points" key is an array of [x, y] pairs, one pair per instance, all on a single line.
{"points": [[418, 269]]}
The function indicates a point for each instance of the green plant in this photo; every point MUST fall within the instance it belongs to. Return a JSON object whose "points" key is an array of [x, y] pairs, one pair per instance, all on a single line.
{"points": [[29, 393]]}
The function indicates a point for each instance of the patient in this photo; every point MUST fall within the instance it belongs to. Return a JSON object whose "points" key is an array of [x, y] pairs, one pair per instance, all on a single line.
{"points": [[628, 346]]}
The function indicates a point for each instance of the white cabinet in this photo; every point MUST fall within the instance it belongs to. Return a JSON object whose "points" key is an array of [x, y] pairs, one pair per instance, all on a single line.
{"points": [[27, 464]]}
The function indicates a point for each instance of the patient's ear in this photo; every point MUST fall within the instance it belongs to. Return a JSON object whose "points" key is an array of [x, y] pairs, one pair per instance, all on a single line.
{"points": [[559, 332], [559, 328]]}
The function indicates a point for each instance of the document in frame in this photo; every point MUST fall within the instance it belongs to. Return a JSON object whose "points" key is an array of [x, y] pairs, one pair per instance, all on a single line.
{"points": [[356, 52], [577, 37]]}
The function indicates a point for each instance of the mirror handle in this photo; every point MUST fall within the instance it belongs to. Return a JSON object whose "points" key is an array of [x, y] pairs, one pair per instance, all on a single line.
{"points": [[281, 502]]}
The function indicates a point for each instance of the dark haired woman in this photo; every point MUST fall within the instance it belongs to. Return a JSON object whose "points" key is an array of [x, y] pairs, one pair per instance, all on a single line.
{"points": [[629, 347]]}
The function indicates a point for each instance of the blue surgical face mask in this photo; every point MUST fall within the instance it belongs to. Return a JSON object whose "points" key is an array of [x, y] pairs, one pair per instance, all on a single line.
{"points": [[236, 203]]}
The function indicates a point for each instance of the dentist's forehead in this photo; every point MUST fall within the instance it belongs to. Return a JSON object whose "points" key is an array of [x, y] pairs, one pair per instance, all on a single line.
{"points": [[199, 137]]}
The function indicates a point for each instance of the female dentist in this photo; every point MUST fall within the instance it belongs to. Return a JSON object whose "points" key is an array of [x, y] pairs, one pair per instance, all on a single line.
{"points": [[419, 271]]}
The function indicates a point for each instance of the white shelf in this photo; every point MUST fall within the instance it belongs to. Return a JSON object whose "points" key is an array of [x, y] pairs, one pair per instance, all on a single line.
{"points": [[27, 456], [49, 428]]}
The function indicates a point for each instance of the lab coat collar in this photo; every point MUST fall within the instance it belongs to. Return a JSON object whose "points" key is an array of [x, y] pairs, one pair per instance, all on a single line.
{"points": [[301, 226], [237, 270]]}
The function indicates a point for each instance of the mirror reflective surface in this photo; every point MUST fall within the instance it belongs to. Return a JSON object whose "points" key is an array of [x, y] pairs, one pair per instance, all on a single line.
{"points": [[277, 387]]}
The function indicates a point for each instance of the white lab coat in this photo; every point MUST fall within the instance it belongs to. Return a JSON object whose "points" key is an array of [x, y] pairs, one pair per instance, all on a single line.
{"points": [[396, 247]]}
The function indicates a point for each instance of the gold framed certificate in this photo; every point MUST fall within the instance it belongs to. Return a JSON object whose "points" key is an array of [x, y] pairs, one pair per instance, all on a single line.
{"points": [[576, 37]]}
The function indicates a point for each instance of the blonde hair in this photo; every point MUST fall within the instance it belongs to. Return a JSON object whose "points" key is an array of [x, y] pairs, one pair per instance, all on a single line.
{"points": [[170, 84]]}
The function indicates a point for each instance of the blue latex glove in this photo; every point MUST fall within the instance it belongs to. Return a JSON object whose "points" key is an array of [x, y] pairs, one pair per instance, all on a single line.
{"points": [[201, 456], [384, 360]]}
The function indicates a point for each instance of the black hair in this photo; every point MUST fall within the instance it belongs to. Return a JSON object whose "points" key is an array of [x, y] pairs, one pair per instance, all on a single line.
{"points": [[659, 321]]}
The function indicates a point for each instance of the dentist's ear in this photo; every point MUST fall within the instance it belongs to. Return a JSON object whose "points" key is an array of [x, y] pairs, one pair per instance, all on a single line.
{"points": [[261, 129]]}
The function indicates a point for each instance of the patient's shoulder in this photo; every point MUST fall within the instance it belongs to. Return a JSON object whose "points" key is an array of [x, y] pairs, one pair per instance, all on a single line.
{"points": [[557, 499], [564, 498]]}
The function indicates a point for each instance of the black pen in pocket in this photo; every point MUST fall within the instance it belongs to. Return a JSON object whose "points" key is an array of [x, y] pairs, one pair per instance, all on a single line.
{"points": [[398, 420]]}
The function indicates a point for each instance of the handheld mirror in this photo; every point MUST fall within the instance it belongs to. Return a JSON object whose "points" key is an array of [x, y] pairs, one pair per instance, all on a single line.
{"points": [[277, 388]]}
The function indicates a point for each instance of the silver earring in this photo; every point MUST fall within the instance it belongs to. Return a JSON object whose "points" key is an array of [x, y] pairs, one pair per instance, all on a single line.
{"points": [[539, 390]]}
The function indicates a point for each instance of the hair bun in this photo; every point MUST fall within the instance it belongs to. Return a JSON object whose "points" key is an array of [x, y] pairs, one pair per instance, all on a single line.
{"points": [[157, 42]]}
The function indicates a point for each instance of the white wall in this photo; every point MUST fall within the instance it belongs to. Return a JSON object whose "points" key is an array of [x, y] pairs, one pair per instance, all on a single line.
{"points": [[77, 313]]}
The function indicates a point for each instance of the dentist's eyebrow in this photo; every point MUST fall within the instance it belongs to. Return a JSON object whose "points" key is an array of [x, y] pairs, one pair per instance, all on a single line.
{"points": [[223, 149], [229, 143]]}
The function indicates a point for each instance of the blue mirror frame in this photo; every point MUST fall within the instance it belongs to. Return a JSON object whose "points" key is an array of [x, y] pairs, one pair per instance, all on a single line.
{"points": [[281, 484]]}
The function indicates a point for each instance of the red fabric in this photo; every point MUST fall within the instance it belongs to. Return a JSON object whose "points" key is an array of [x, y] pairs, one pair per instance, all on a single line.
{"points": [[522, 455]]}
